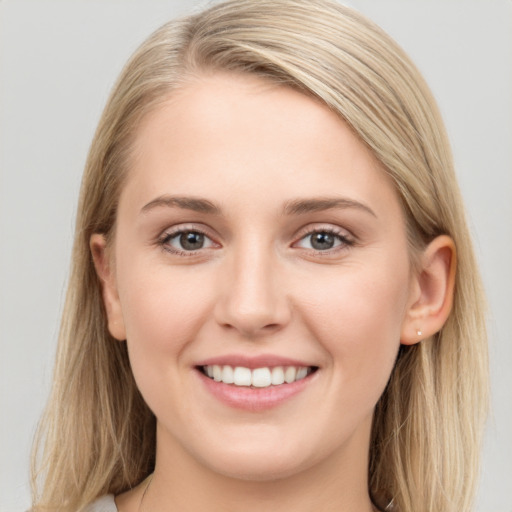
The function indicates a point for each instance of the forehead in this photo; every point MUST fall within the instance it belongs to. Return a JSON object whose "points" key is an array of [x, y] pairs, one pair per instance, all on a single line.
{"points": [[236, 135]]}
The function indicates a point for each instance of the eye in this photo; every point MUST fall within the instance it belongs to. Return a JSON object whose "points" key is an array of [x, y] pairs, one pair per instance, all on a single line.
{"points": [[186, 241], [323, 240]]}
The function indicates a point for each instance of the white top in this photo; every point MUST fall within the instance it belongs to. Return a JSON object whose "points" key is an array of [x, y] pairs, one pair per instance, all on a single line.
{"points": [[104, 504]]}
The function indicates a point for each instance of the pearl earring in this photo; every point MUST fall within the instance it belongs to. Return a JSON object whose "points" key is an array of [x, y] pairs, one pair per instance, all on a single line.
{"points": [[418, 332]]}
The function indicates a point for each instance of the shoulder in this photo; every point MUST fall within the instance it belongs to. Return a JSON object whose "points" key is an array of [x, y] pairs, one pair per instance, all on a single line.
{"points": [[104, 504]]}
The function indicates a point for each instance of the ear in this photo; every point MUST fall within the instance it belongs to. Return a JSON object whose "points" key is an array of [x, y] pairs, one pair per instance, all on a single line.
{"points": [[106, 274], [432, 291]]}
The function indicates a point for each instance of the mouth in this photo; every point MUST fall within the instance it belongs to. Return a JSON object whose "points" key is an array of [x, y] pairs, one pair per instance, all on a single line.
{"points": [[256, 378], [256, 383]]}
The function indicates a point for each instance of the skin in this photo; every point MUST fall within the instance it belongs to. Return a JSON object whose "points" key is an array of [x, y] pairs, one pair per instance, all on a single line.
{"points": [[259, 287]]}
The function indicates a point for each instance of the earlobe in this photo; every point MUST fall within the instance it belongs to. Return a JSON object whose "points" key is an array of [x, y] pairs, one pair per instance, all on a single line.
{"points": [[105, 272], [433, 291]]}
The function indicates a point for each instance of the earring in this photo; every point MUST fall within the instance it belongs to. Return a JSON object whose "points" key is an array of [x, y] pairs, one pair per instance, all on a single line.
{"points": [[418, 332]]}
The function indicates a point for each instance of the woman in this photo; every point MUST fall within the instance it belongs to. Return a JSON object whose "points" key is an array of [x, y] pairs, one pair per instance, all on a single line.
{"points": [[274, 301]]}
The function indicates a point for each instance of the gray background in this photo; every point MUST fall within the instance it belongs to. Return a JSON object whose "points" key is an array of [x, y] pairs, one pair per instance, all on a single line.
{"points": [[58, 60]]}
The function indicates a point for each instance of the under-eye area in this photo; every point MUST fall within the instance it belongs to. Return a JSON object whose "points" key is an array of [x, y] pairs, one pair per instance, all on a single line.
{"points": [[257, 377]]}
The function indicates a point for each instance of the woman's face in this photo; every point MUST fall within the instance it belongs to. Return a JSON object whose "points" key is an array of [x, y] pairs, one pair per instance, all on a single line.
{"points": [[258, 239]]}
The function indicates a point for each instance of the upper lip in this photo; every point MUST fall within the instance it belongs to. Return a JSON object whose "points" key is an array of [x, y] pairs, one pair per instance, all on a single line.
{"points": [[260, 361]]}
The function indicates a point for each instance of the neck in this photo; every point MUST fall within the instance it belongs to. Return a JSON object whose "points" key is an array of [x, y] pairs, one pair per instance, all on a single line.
{"points": [[338, 483]]}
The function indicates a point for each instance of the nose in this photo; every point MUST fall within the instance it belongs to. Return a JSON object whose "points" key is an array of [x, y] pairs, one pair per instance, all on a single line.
{"points": [[253, 300]]}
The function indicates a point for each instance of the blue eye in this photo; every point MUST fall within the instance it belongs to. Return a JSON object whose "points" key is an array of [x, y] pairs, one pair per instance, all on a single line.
{"points": [[186, 241], [323, 240]]}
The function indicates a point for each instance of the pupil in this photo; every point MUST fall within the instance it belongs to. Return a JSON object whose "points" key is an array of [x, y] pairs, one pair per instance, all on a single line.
{"points": [[322, 241], [192, 241]]}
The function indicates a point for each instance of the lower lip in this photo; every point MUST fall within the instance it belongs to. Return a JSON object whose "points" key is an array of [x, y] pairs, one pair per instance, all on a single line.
{"points": [[254, 399]]}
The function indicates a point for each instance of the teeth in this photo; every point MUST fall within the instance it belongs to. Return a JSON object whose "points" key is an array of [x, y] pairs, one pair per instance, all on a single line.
{"points": [[228, 375], [289, 374], [242, 376], [277, 375], [259, 377], [301, 373]]}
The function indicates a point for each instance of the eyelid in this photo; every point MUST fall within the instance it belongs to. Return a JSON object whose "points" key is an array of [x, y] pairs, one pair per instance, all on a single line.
{"points": [[327, 227]]}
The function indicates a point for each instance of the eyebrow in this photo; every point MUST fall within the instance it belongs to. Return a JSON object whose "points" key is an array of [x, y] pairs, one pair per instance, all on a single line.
{"points": [[302, 206], [184, 202], [295, 207]]}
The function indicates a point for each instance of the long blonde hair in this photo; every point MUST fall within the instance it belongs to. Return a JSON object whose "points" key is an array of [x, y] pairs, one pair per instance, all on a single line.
{"points": [[98, 436]]}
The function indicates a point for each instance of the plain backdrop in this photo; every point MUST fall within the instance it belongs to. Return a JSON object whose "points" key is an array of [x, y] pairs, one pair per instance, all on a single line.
{"points": [[58, 60]]}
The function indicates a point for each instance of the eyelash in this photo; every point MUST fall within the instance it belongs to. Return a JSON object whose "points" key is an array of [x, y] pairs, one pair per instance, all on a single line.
{"points": [[164, 240], [345, 242]]}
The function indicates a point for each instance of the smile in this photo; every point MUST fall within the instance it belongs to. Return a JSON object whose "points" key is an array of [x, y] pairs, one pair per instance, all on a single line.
{"points": [[257, 377], [255, 384]]}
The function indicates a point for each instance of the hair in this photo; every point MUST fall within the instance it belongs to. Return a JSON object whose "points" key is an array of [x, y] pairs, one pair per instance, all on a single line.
{"points": [[97, 435]]}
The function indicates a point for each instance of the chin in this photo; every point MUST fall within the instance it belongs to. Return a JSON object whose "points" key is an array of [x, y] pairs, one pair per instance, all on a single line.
{"points": [[258, 462], [258, 468]]}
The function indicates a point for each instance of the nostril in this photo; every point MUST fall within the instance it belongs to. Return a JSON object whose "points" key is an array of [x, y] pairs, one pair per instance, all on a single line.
{"points": [[251, 313]]}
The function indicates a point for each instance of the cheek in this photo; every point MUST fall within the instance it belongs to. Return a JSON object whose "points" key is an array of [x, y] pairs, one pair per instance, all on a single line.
{"points": [[163, 310], [357, 315]]}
